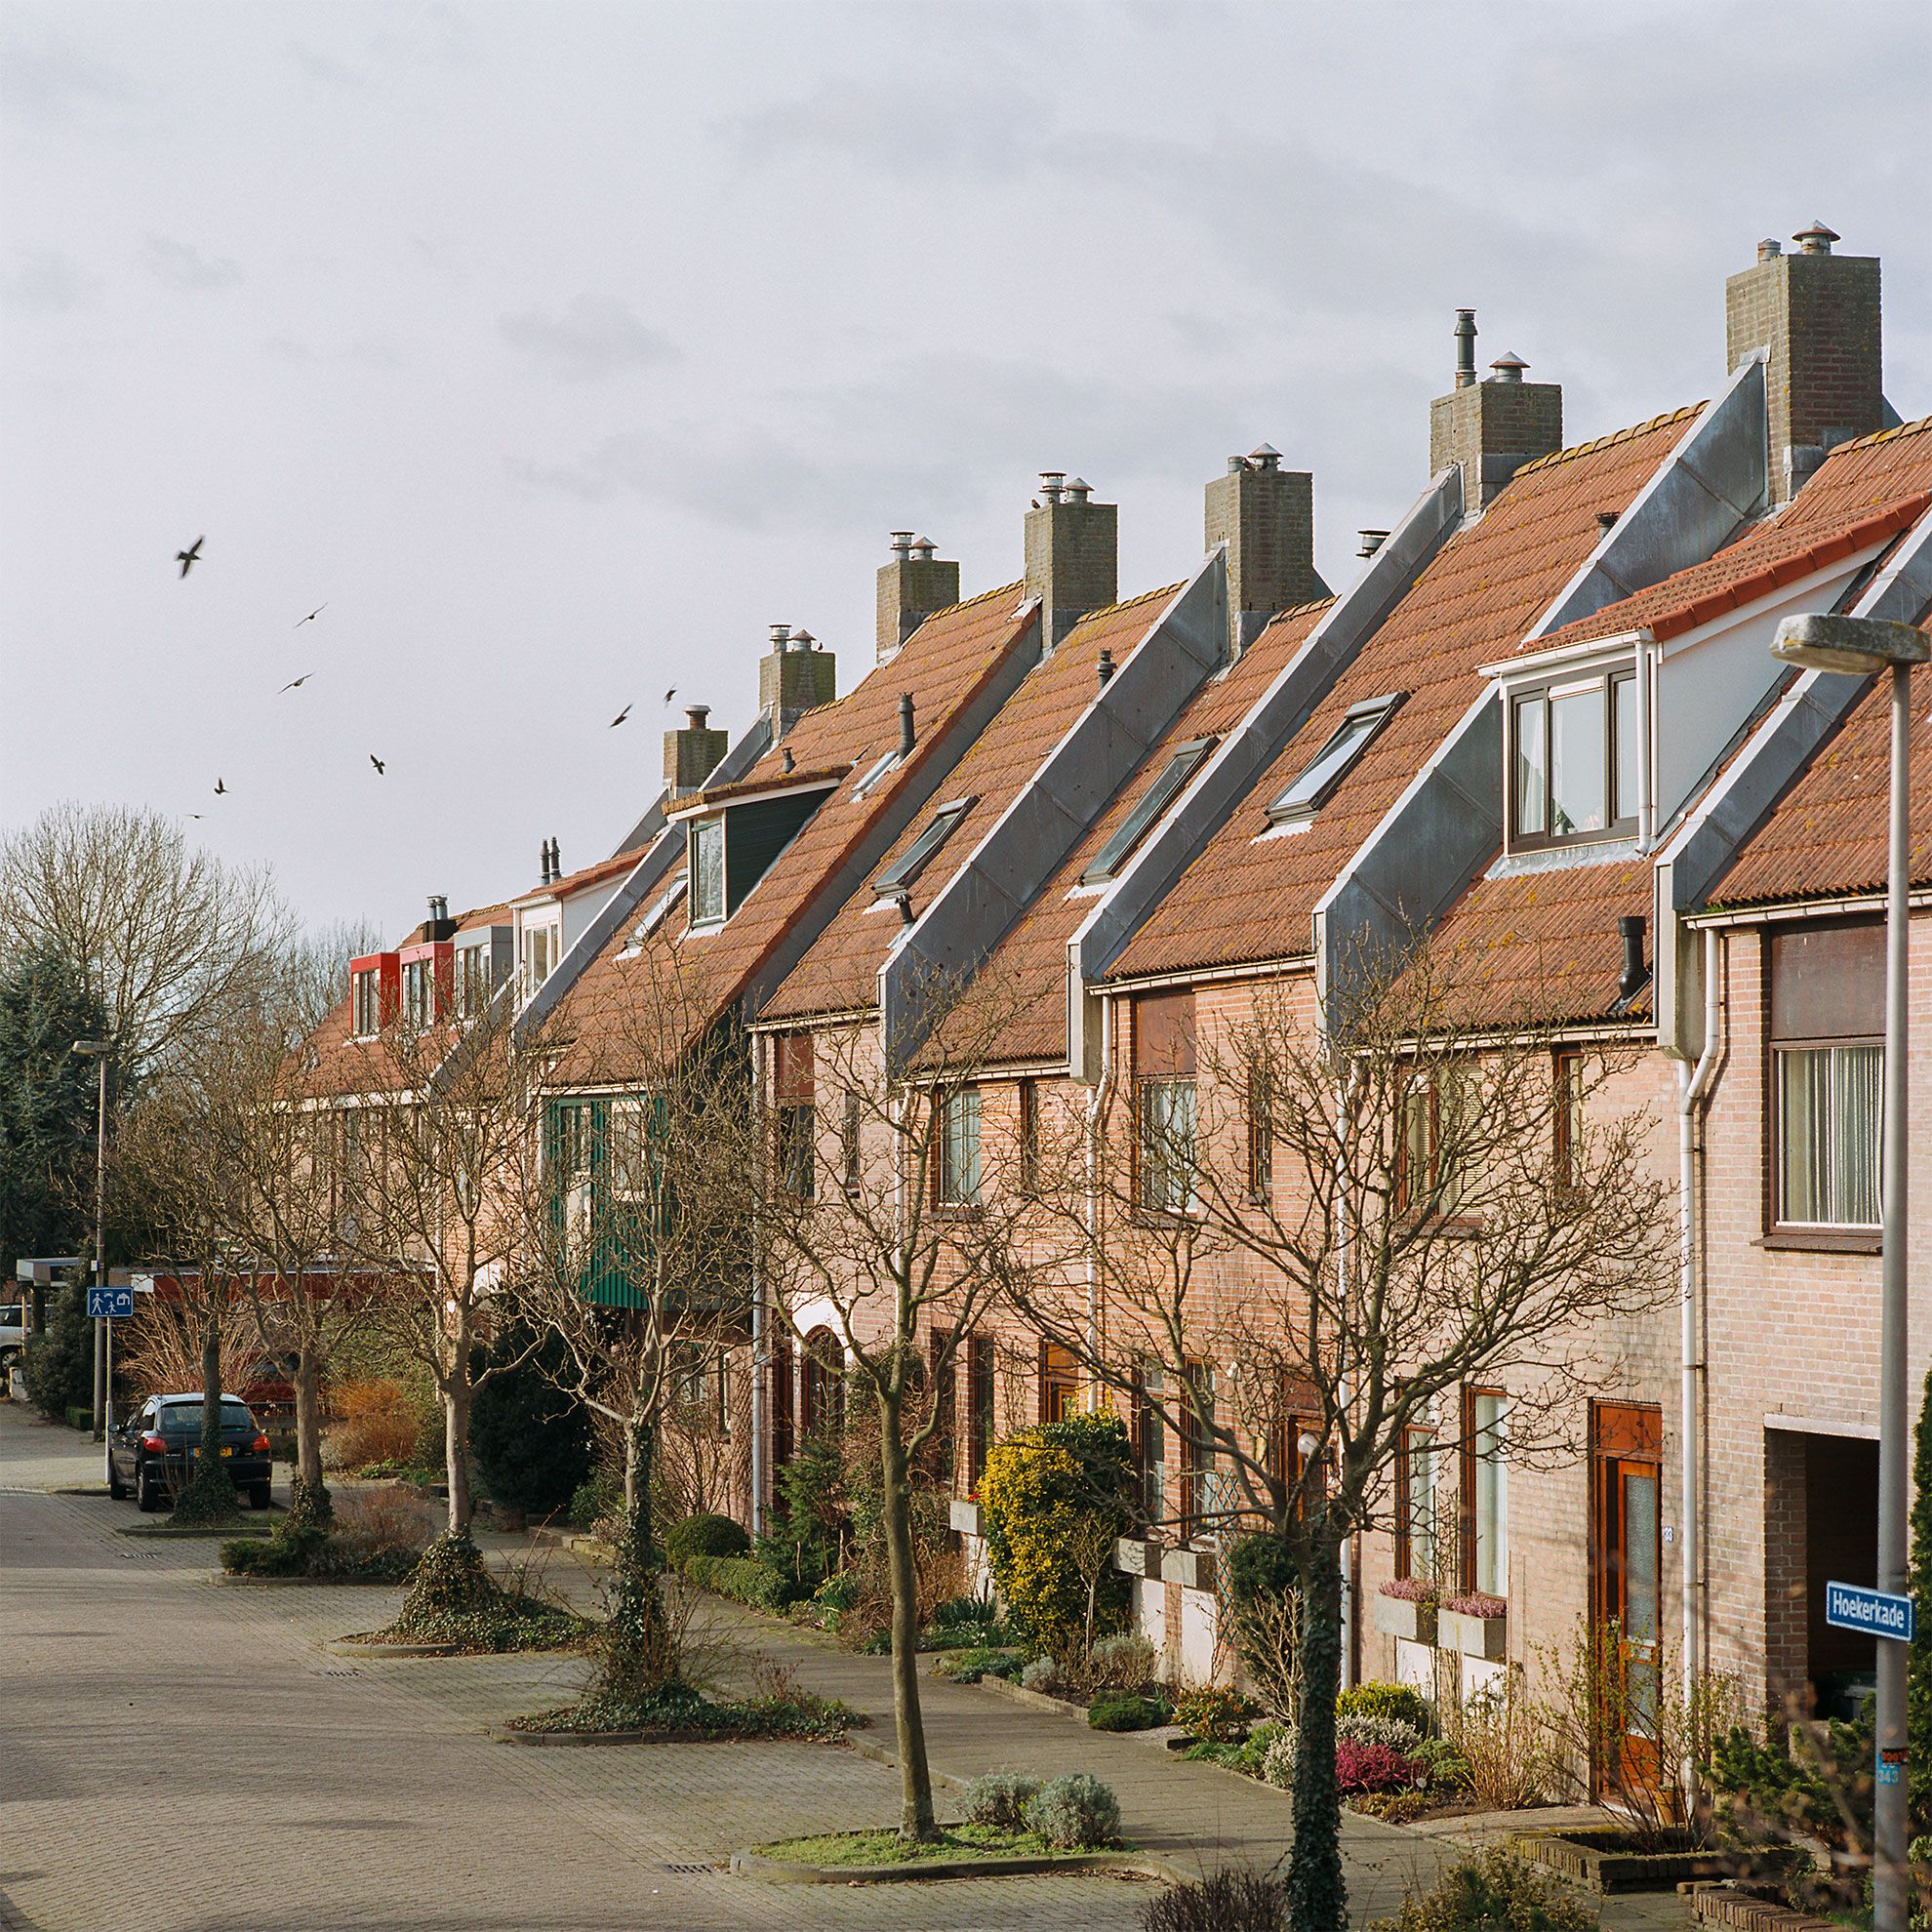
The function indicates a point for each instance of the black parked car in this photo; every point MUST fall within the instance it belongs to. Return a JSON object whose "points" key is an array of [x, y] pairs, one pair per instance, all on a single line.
{"points": [[154, 1450]]}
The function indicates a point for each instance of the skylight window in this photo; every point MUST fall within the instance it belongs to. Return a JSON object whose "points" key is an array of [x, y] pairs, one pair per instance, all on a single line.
{"points": [[877, 771], [1325, 771], [913, 860], [660, 907], [1153, 802]]}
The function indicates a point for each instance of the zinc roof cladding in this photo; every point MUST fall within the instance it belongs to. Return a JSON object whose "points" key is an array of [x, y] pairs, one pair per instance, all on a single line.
{"points": [[1247, 899], [838, 973], [1032, 957], [1801, 540], [1825, 838], [945, 664], [1541, 948]]}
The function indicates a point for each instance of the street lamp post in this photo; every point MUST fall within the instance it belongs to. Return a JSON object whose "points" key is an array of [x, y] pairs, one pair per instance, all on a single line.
{"points": [[98, 1051], [1865, 646]]}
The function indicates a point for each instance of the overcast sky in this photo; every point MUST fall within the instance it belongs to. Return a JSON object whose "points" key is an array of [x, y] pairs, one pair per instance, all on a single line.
{"points": [[561, 348]]}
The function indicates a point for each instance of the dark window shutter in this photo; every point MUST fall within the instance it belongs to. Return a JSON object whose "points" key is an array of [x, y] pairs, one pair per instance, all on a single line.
{"points": [[1827, 983]]}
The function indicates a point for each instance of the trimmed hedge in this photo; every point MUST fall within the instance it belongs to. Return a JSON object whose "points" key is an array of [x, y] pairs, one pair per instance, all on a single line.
{"points": [[704, 1536], [1126, 1714], [744, 1578]]}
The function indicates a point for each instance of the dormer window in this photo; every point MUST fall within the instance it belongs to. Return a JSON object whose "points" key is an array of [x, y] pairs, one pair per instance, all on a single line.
{"points": [[419, 994], [472, 980], [540, 956], [707, 871], [1149, 807], [916, 856], [365, 1004], [1574, 745], [1317, 780]]}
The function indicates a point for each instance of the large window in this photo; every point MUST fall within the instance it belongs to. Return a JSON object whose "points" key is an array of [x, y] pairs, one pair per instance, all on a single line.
{"points": [[982, 1397], [706, 872], [1312, 785], [1199, 1491], [1164, 1109], [365, 1004], [1428, 1181], [1485, 1492], [1828, 1071], [472, 980], [1149, 807], [1574, 748], [958, 1176], [1416, 1476], [540, 955], [419, 994], [1150, 1442], [795, 1155]]}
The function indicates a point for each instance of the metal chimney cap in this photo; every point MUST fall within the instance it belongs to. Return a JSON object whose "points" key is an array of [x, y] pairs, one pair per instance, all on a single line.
{"points": [[1509, 367], [1264, 455], [901, 541], [802, 639], [780, 632], [696, 714], [1815, 240], [1371, 542], [1078, 489], [1769, 248], [924, 549], [1051, 483]]}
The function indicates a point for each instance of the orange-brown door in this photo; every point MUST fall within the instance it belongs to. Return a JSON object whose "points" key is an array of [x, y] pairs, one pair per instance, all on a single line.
{"points": [[1627, 1548]]}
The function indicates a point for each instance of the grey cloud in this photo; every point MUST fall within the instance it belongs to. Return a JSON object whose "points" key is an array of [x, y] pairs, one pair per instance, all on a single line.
{"points": [[593, 338], [50, 80], [42, 279], [182, 266]]}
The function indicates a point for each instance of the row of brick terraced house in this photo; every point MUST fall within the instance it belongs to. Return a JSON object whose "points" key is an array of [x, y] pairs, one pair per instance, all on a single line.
{"points": [[1543, 725]]}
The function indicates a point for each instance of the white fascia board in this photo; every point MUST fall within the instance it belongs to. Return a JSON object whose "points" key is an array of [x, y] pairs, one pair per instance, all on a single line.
{"points": [[1539, 667]]}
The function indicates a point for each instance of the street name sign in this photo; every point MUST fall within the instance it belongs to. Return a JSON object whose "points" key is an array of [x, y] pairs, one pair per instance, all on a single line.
{"points": [[1876, 1612], [110, 1302]]}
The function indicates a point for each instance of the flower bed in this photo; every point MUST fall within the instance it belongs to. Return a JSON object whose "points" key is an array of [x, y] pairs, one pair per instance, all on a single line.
{"points": [[1610, 1858], [680, 1714]]}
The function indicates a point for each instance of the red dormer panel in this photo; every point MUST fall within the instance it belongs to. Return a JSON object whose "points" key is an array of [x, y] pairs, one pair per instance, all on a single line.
{"points": [[385, 970]]}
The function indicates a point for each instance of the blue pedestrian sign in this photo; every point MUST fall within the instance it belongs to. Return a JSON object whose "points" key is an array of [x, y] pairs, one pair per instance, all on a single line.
{"points": [[1876, 1612], [116, 1303]]}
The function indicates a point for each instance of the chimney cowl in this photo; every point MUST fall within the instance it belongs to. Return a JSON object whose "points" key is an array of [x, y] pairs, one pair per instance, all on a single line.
{"points": [[1606, 520], [924, 550], [803, 640], [1104, 667], [1509, 367], [906, 736], [1264, 455], [1769, 248], [696, 714], [1053, 484], [788, 760], [1371, 542], [901, 543], [1465, 342], [1815, 240], [1079, 490], [439, 908], [1631, 981], [780, 632]]}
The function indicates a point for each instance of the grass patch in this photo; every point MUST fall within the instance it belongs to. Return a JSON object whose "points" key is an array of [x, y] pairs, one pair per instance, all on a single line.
{"points": [[886, 1847], [677, 1713]]}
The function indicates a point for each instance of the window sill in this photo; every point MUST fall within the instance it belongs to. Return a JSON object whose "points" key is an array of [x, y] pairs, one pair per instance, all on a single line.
{"points": [[1822, 1241]]}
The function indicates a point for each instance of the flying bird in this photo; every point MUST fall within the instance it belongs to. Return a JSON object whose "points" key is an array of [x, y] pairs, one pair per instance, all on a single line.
{"points": [[311, 617], [380, 768], [220, 785], [620, 716], [670, 693], [296, 683], [188, 559]]}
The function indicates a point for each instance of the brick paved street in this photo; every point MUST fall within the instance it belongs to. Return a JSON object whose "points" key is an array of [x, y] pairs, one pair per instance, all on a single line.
{"points": [[186, 1756]]}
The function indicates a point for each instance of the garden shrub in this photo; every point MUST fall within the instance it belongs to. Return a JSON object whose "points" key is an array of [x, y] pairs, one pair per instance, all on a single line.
{"points": [[1051, 1496], [374, 1420], [705, 1535], [59, 1363], [530, 1438], [1124, 1663], [1230, 1901], [1213, 1714], [1371, 1767], [1074, 1812], [289, 1553], [744, 1578], [1278, 1763], [1263, 1602], [963, 1612], [597, 1499], [1397, 1733], [1492, 1892], [1042, 1674], [1119, 1711], [969, 1666], [1399, 1701], [1798, 1786], [1000, 1800]]}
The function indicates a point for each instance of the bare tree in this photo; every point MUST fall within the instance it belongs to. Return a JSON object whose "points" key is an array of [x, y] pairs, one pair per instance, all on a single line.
{"points": [[1317, 1245], [171, 942], [637, 1255], [888, 1219]]}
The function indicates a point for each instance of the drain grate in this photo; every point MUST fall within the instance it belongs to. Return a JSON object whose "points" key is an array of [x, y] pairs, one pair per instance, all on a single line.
{"points": [[689, 1871], [341, 1671]]}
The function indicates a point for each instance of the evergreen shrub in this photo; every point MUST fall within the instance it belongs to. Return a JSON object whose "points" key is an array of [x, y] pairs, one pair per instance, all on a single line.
{"points": [[705, 1535], [531, 1441], [1074, 1812]]}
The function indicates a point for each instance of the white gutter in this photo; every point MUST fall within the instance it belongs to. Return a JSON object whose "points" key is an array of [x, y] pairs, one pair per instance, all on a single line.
{"points": [[1694, 1088], [760, 1349]]}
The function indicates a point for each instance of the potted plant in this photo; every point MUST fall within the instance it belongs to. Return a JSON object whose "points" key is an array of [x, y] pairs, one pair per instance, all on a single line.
{"points": [[1474, 1623], [1406, 1607]]}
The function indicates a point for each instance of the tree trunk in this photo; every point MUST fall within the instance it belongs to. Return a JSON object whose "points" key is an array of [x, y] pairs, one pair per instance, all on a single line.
{"points": [[1318, 1895], [640, 1456], [308, 1419], [211, 1393], [915, 1776], [456, 1442]]}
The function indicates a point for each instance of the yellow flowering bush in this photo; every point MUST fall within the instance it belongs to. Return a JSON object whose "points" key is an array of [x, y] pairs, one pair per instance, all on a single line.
{"points": [[1050, 1495]]}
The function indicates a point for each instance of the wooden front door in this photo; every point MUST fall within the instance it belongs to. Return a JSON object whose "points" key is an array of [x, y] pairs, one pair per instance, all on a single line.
{"points": [[1626, 1553]]}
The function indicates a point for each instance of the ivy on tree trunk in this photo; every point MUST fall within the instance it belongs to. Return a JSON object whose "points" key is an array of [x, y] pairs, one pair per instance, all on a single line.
{"points": [[1318, 1895], [915, 1819]]}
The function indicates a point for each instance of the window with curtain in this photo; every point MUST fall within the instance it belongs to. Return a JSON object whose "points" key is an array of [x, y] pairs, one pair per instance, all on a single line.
{"points": [[1199, 1491], [1164, 1101], [958, 1170], [1060, 1384], [1485, 1492], [1416, 1475], [1828, 1069], [1150, 1442], [1261, 1134], [794, 1155], [982, 1393], [1574, 752]]}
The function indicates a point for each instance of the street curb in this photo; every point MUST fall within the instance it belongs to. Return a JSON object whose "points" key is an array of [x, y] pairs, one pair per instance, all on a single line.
{"points": [[781, 1871], [884, 1754], [343, 1647], [505, 1734], [1034, 1700], [226, 1532]]}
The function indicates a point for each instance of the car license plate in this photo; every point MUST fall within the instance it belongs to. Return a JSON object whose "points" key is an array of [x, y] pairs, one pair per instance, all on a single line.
{"points": [[226, 1451]]}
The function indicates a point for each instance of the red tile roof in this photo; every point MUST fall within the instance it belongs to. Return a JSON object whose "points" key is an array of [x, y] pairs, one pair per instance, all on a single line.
{"points": [[838, 973], [613, 868], [1247, 899], [946, 663]]}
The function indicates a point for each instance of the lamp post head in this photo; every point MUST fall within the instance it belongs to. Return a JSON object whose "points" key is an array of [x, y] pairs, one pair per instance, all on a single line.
{"points": [[1858, 646], [93, 1049]]}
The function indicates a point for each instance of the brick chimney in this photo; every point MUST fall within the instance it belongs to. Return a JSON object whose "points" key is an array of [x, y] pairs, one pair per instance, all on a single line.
{"points": [[692, 751], [912, 588], [794, 676], [1816, 316], [1495, 426], [1073, 554], [1266, 516]]}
